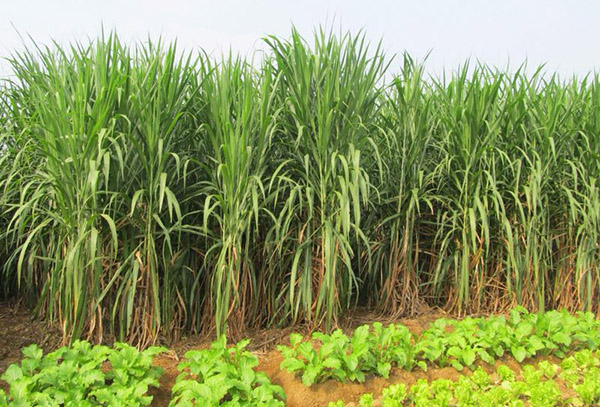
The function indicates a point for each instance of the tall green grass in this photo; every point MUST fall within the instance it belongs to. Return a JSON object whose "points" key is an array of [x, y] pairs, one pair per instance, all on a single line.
{"points": [[147, 192]]}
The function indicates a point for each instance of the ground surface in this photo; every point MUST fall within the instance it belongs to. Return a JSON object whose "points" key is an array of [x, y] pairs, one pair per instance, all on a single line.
{"points": [[17, 330]]}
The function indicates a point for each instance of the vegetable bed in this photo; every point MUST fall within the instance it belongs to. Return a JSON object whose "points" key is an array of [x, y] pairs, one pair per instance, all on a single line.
{"points": [[457, 343], [377, 364], [574, 382]]}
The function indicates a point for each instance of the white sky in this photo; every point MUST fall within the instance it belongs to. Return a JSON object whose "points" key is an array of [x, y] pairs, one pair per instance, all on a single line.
{"points": [[564, 34]]}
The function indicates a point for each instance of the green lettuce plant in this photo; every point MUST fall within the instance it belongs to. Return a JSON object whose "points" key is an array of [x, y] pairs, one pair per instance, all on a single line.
{"points": [[538, 386]]}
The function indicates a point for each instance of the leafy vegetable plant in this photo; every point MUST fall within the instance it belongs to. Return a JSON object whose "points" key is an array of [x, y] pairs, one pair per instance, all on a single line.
{"points": [[462, 342], [222, 376], [539, 386], [82, 375], [447, 342], [370, 350]]}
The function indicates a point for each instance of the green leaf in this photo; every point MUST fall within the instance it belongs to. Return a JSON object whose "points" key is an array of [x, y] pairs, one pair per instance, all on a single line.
{"points": [[383, 369], [535, 343], [295, 339], [519, 353], [468, 357], [33, 352], [351, 362], [485, 356], [456, 364], [310, 375], [332, 363], [562, 338], [12, 374], [524, 329]]}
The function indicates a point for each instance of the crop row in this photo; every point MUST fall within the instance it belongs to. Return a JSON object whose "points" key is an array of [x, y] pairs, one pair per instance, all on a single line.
{"points": [[459, 343], [90, 376], [540, 386], [94, 376]]}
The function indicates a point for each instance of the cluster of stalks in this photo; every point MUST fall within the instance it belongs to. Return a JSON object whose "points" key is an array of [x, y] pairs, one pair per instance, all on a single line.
{"points": [[145, 192]]}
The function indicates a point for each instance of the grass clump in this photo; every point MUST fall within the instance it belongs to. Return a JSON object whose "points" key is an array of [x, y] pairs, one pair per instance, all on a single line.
{"points": [[146, 192]]}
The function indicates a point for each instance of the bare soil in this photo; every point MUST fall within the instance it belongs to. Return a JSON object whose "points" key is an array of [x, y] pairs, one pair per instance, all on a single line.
{"points": [[18, 330]]}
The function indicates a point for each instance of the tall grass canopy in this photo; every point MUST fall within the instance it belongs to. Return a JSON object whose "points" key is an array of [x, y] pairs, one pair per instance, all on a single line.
{"points": [[146, 193]]}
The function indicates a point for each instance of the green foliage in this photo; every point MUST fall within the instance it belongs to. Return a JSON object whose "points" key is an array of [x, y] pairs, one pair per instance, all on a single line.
{"points": [[580, 372], [447, 342], [522, 335], [152, 188], [373, 349], [539, 386], [330, 91], [366, 400], [82, 375], [333, 359], [394, 395], [222, 376]]}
